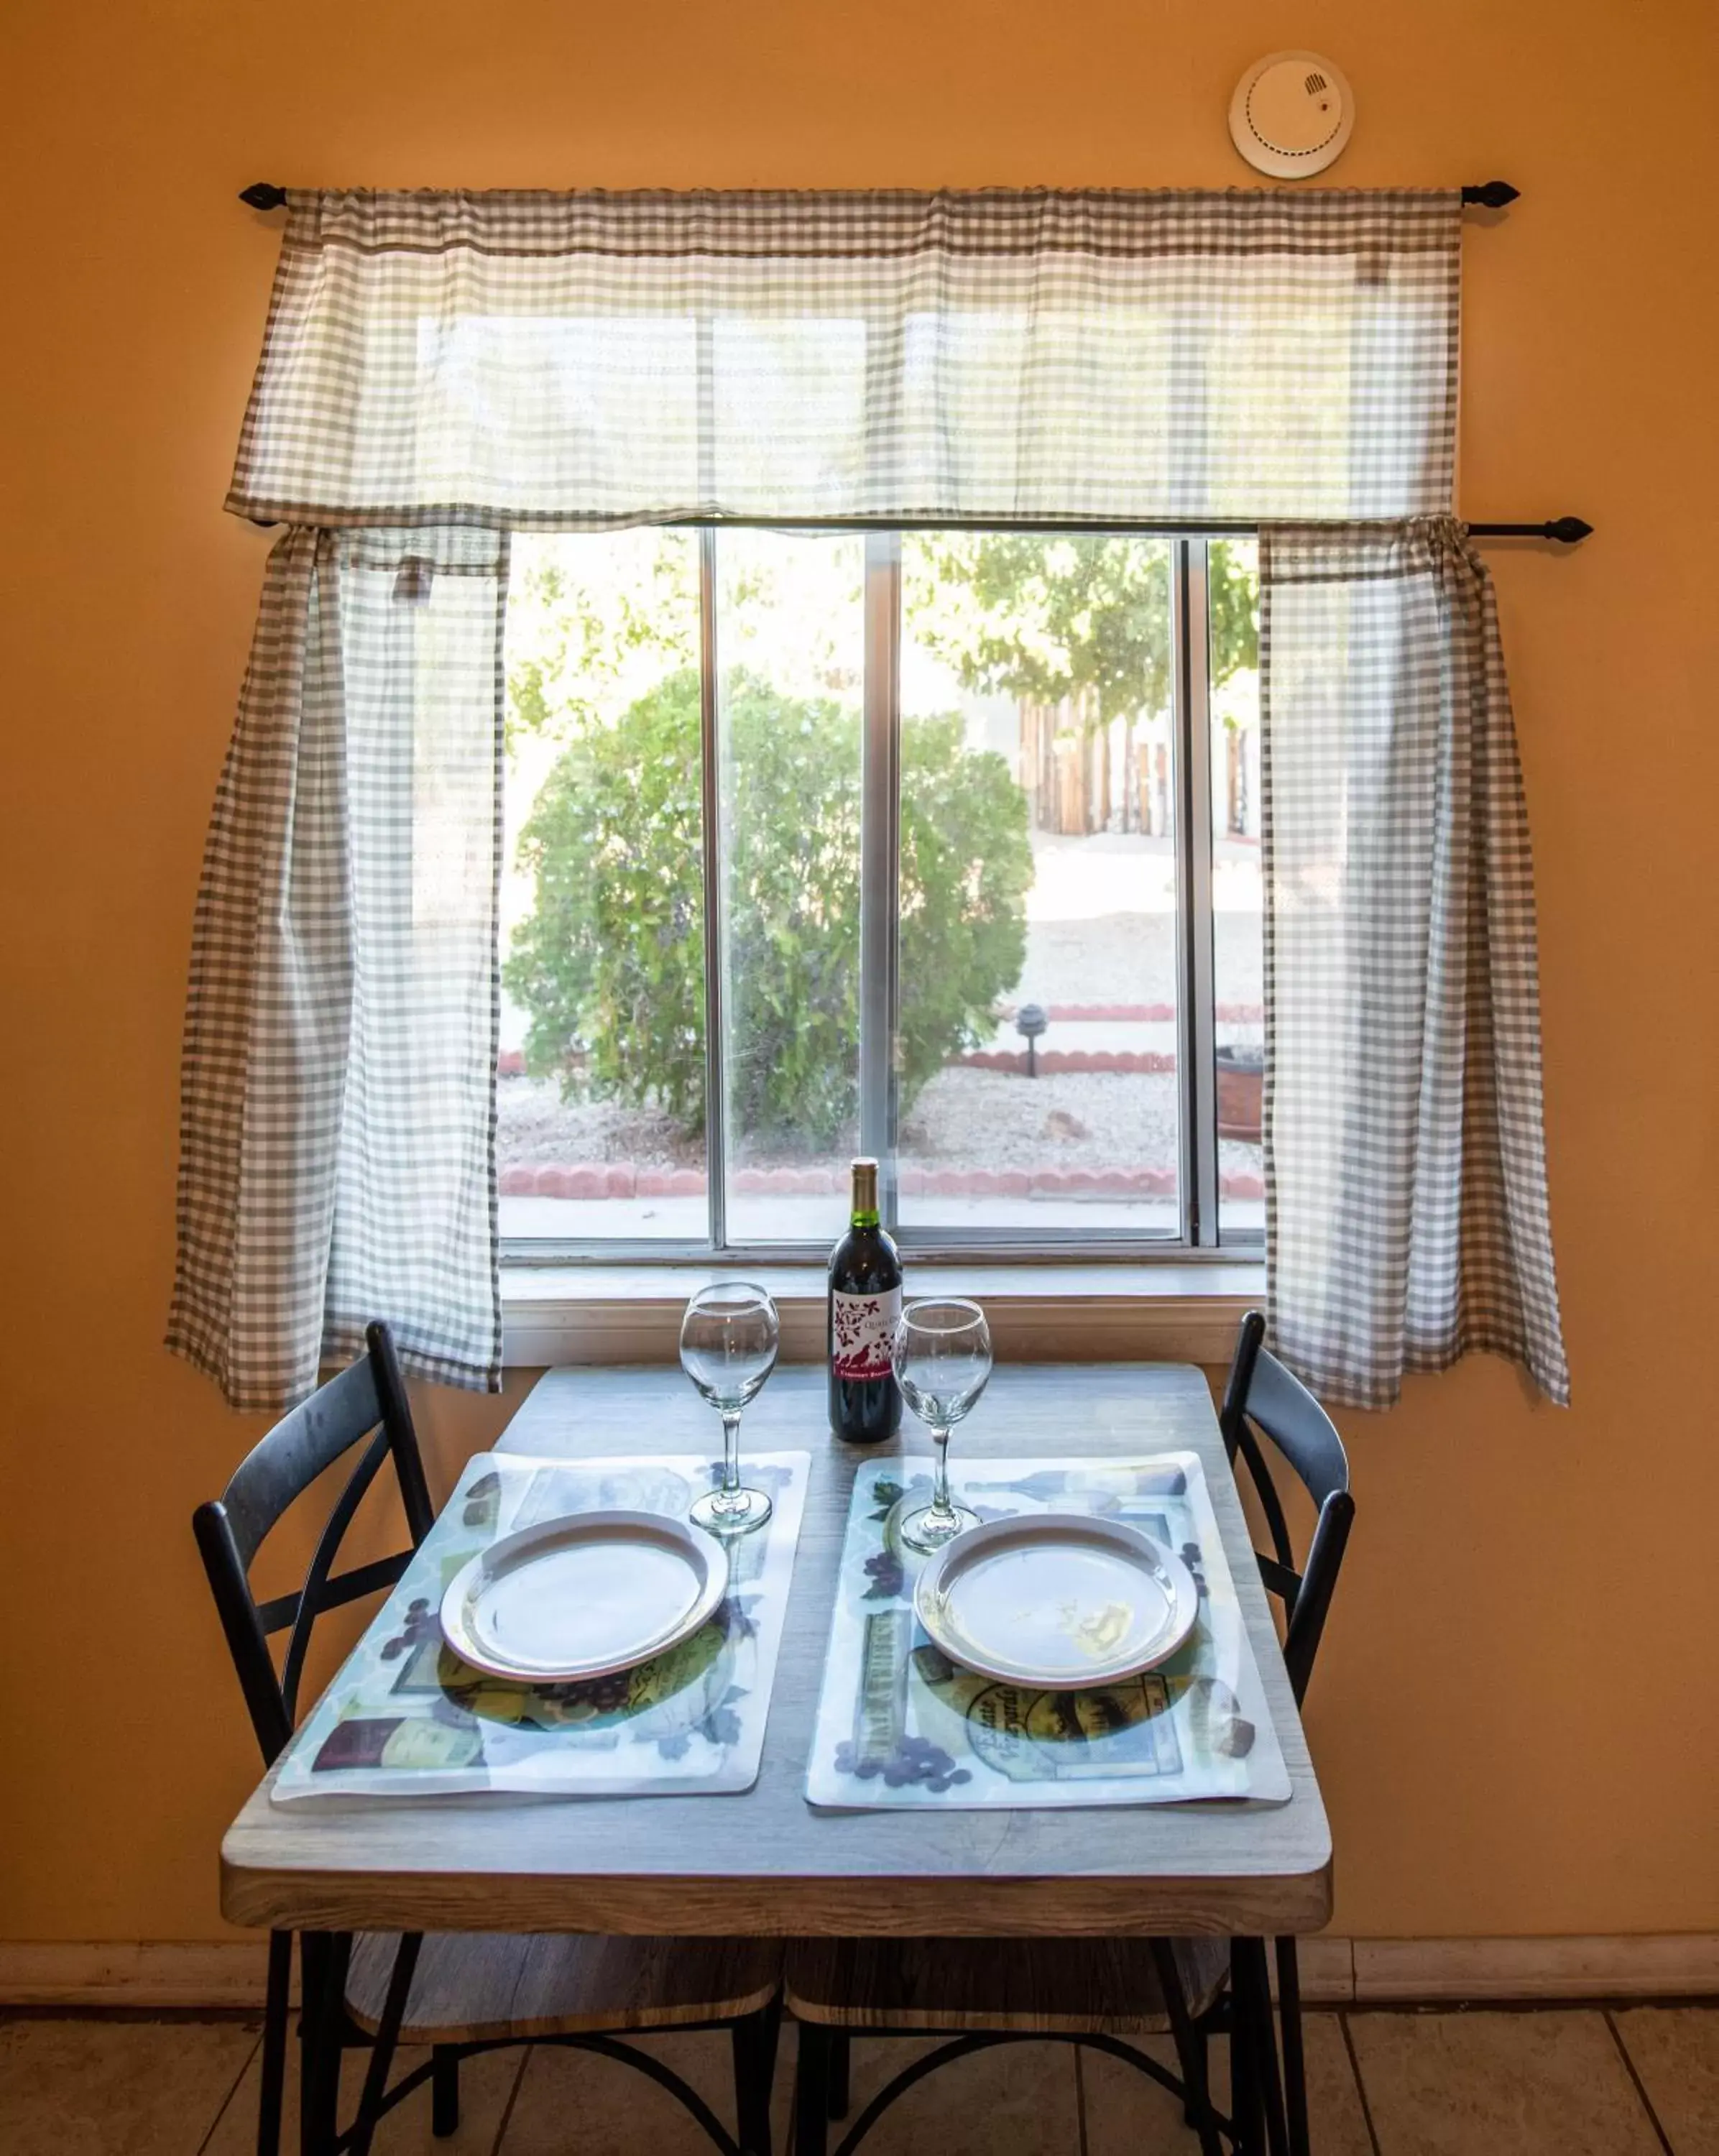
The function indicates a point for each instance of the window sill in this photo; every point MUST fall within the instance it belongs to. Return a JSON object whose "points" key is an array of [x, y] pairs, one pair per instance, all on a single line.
{"points": [[1070, 1313]]}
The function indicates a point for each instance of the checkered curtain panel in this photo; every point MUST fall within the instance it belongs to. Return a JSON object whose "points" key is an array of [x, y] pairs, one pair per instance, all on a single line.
{"points": [[336, 1144], [1405, 1170], [572, 362]]}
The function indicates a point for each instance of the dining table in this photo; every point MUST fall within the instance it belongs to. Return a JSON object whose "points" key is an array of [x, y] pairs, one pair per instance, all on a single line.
{"points": [[762, 1861]]}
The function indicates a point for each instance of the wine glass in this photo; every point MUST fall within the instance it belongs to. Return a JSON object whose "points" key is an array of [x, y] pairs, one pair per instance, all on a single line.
{"points": [[941, 1353], [728, 1340]]}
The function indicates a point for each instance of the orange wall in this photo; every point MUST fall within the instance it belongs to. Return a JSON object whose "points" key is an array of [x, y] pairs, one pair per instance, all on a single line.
{"points": [[1515, 1721]]}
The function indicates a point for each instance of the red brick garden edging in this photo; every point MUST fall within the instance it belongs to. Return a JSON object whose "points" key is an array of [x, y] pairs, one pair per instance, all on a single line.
{"points": [[596, 1179], [1134, 1013], [1051, 1061]]}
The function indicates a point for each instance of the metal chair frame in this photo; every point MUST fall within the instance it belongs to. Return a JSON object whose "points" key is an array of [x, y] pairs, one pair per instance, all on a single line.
{"points": [[755, 2037], [1263, 1396], [811, 2130], [1269, 2098], [367, 1401], [1256, 2121]]}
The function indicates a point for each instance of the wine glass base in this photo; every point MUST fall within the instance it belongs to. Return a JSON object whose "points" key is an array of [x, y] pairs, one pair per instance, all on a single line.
{"points": [[927, 1530], [730, 1512]]}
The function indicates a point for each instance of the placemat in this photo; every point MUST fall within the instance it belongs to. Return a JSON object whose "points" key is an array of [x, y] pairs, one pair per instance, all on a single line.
{"points": [[406, 1717], [898, 1723]]}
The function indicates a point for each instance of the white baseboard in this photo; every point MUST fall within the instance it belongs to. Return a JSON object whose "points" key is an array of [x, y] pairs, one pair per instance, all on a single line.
{"points": [[222, 1972], [1635, 1965], [1334, 1971], [1327, 1971]]}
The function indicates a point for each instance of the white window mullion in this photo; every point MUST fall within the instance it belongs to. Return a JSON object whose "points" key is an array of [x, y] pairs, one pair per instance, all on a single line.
{"points": [[710, 832], [1196, 1007], [879, 828]]}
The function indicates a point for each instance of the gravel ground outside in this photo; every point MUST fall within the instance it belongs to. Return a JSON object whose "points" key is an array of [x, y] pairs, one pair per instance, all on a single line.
{"points": [[1131, 958], [1098, 1119], [1101, 921], [536, 1128], [964, 1118]]}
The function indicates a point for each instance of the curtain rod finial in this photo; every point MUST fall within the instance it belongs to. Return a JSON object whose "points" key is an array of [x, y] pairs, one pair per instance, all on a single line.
{"points": [[1567, 530], [264, 194], [1492, 194]]}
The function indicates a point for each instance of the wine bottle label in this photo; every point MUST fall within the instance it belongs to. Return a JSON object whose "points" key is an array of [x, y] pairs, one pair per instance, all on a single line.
{"points": [[865, 1326]]}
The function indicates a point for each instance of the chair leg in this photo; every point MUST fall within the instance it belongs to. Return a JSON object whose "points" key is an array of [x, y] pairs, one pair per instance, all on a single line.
{"points": [[444, 2090], [1259, 2045], [1190, 2049], [274, 2073], [323, 1959], [839, 2057], [812, 2091], [1198, 2077], [1271, 2082], [381, 2049], [1246, 2108], [1295, 2068], [754, 2040]]}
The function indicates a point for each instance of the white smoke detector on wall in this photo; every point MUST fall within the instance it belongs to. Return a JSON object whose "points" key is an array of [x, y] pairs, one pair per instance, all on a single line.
{"points": [[1292, 114]]}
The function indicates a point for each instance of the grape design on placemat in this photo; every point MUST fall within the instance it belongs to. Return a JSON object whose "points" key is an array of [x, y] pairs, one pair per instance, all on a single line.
{"points": [[900, 1723], [406, 1714], [914, 1759]]}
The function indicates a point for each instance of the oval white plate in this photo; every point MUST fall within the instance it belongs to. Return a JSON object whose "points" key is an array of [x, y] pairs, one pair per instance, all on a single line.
{"points": [[583, 1596], [1060, 1600]]}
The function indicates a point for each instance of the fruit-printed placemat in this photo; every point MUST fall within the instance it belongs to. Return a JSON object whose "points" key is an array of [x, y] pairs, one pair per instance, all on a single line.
{"points": [[898, 1723], [406, 1717]]}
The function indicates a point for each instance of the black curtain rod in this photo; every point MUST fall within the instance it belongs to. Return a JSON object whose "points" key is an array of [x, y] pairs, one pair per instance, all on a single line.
{"points": [[1567, 531], [1491, 194]]}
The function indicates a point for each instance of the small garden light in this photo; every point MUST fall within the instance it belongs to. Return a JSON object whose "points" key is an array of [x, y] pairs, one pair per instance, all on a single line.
{"points": [[1029, 1022]]}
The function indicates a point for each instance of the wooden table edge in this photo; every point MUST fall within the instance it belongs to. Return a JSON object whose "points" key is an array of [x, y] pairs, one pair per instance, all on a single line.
{"points": [[1277, 1904]]}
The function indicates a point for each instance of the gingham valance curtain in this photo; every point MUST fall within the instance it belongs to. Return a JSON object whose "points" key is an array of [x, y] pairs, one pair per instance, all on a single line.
{"points": [[577, 360], [440, 368]]}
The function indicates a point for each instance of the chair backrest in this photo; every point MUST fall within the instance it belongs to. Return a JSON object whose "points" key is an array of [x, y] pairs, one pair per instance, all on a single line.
{"points": [[367, 1401], [1263, 1397]]}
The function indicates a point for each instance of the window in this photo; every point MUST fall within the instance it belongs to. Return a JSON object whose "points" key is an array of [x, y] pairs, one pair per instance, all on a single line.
{"points": [[940, 845]]}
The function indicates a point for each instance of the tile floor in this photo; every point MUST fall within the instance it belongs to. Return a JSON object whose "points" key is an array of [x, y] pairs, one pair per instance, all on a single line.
{"points": [[1578, 2080]]}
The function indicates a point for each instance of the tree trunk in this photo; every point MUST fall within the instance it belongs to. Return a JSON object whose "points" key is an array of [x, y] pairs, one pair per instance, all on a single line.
{"points": [[1071, 775], [1088, 773], [1237, 792]]}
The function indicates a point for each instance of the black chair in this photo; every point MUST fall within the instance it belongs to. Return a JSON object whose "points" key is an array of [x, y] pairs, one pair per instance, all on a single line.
{"points": [[458, 1992], [1098, 1992], [1263, 1396]]}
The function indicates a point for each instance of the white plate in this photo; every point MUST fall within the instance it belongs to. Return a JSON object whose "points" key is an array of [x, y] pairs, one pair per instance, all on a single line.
{"points": [[583, 1596], [1058, 1600]]}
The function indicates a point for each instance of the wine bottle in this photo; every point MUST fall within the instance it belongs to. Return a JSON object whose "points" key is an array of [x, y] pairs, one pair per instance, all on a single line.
{"points": [[865, 1302]]}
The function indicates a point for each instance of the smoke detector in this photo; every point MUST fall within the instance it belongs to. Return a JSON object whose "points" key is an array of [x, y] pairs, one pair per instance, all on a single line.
{"points": [[1292, 114]]}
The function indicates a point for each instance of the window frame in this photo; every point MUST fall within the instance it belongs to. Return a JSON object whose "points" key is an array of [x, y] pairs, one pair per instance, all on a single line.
{"points": [[1200, 1240]]}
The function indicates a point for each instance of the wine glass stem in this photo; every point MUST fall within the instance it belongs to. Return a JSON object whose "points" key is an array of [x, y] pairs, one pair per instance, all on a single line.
{"points": [[940, 1486], [731, 1453]]}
